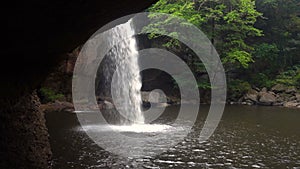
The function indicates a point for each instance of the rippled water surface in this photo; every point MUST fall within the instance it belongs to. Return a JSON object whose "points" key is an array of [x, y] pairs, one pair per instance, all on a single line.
{"points": [[247, 137]]}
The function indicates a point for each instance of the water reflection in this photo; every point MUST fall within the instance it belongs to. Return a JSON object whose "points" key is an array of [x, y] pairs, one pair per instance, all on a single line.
{"points": [[247, 137]]}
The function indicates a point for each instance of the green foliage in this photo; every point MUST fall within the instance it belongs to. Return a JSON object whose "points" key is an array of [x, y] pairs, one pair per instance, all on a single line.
{"points": [[236, 56], [266, 52], [281, 25], [227, 23], [290, 77], [262, 80], [297, 80], [237, 88], [48, 95], [204, 85], [258, 40]]}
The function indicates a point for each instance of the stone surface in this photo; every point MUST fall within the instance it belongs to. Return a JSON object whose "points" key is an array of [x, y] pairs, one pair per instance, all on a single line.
{"points": [[57, 106], [291, 90], [278, 88], [298, 97], [291, 104], [60, 78], [292, 98], [49, 30], [264, 89], [108, 105], [266, 98], [251, 95], [26, 143], [278, 104], [155, 98]]}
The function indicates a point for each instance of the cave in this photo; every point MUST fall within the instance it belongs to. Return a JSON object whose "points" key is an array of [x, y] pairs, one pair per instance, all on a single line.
{"points": [[38, 34]]}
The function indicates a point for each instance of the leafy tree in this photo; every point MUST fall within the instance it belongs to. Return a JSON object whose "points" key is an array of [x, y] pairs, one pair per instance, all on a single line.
{"points": [[258, 40], [49, 95], [265, 55], [281, 25], [227, 23]]}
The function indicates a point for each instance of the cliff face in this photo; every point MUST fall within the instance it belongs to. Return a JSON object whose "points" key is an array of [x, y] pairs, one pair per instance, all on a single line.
{"points": [[25, 141], [37, 34]]}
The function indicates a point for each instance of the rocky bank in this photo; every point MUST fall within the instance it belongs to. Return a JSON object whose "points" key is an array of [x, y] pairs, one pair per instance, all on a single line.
{"points": [[278, 95]]}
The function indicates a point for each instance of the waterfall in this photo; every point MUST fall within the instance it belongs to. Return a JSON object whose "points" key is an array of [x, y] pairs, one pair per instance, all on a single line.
{"points": [[125, 89]]}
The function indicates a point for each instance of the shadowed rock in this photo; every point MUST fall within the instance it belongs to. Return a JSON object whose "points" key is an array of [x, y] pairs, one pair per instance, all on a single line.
{"points": [[37, 36]]}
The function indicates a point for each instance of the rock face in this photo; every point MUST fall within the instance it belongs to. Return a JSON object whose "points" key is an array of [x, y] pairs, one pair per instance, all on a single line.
{"points": [[251, 96], [291, 90], [39, 34], [298, 97], [266, 98], [57, 106], [279, 95], [155, 98], [291, 104], [278, 88], [60, 78], [26, 143]]}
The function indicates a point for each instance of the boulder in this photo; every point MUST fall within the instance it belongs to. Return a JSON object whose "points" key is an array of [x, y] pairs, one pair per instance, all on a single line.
{"points": [[292, 98], [291, 104], [256, 88], [252, 95], [297, 97], [278, 104], [107, 105], [291, 90], [279, 99], [272, 93], [266, 98], [57, 106], [155, 96], [278, 88], [264, 89]]}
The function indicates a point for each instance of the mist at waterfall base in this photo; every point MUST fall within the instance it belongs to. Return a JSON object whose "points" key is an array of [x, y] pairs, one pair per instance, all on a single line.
{"points": [[119, 81]]}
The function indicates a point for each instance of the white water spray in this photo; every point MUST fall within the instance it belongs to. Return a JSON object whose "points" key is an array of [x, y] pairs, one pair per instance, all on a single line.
{"points": [[126, 83]]}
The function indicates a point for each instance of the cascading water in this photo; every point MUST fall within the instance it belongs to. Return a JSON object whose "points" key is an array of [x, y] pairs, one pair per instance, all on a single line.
{"points": [[125, 89]]}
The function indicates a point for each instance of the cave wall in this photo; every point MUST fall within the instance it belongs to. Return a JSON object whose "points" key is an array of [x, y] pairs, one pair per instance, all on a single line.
{"points": [[25, 142], [37, 34]]}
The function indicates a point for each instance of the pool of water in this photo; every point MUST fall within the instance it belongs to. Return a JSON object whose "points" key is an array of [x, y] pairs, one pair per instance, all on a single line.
{"points": [[247, 137]]}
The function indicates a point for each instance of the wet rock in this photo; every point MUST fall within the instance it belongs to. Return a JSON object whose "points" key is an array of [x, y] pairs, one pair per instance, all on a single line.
{"points": [[291, 104], [155, 98], [58, 106], [103, 104], [108, 105], [266, 98], [248, 102], [278, 104], [252, 95]]}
